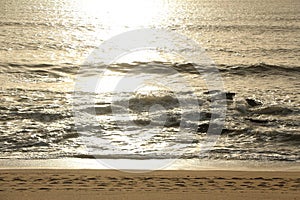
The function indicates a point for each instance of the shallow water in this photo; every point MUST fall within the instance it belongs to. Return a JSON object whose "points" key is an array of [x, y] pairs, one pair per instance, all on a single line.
{"points": [[255, 46]]}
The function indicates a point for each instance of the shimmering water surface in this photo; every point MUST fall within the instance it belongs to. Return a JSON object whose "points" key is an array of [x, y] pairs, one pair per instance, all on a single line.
{"points": [[254, 44]]}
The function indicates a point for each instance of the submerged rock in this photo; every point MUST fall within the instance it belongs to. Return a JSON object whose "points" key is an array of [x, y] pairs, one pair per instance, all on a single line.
{"points": [[259, 121], [229, 95], [202, 128], [274, 110], [253, 102]]}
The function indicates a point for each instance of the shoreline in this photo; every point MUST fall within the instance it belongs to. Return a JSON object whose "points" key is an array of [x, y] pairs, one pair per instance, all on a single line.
{"points": [[179, 164], [167, 184]]}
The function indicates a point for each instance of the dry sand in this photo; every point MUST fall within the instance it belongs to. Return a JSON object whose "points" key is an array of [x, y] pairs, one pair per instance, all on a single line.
{"points": [[108, 184]]}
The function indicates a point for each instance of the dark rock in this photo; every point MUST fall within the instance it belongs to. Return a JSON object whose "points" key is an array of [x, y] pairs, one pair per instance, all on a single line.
{"points": [[202, 128], [260, 121], [253, 102], [205, 115], [212, 92], [230, 95]]}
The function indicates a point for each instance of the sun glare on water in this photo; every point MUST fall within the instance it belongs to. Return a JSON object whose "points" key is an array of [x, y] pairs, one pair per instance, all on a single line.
{"points": [[110, 79], [122, 14]]}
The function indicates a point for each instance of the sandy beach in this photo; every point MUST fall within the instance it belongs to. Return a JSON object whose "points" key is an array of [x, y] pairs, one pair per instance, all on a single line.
{"points": [[110, 184]]}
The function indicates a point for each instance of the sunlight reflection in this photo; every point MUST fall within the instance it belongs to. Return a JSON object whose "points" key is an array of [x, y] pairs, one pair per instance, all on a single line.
{"points": [[129, 13], [149, 56], [110, 79]]}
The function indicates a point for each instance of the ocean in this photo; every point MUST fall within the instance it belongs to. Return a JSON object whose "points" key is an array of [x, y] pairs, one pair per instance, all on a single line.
{"points": [[254, 45]]}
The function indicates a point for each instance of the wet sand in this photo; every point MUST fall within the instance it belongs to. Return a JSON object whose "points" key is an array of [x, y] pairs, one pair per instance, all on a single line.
{"points": [[110, 184]]}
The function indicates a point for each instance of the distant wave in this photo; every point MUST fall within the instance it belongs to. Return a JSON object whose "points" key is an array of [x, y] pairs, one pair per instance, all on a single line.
{"points": [[152, 67], [40, 71], [43, 24], [240, 27], [260, 68]]}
